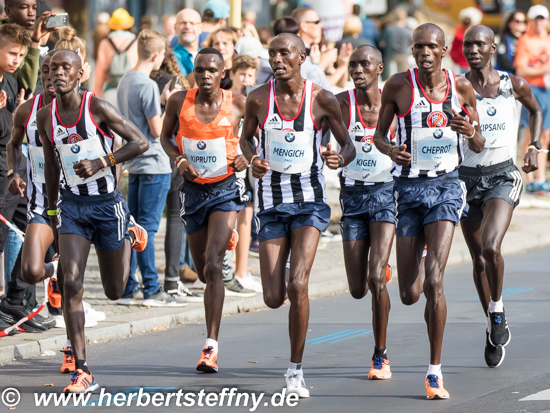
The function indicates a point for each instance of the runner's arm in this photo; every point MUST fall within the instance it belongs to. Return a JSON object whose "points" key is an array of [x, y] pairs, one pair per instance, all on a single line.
{"points": [[462, 125], [13, 148], [171, 115], [250, 125], [523, 93]]}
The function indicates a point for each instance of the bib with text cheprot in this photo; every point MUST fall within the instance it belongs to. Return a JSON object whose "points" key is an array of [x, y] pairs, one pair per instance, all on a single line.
{"points": [[288, 151], [369, 164], [498, 123], [36, 158], [208, 157], [434, 149], [72, 153]]}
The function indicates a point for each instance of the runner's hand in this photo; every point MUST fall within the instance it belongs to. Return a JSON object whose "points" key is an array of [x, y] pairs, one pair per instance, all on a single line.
{"points": [[259, 167], [239, 163], [53, 224], [17, 185], [530, 161], [188, 172], [331, 157], [461, 125], [86, 168], [400, 155]]}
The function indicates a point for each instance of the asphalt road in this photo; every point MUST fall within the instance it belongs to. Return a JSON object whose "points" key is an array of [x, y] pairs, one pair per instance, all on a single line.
{"points": [[254, 352]]}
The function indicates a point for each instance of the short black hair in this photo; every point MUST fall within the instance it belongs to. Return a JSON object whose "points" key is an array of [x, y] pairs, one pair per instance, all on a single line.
{"points": [[375, 52], [210, 50], [431, 27]]}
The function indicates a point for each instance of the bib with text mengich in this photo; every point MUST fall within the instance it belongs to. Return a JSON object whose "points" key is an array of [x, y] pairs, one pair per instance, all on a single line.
{"points": [[288, 151]]}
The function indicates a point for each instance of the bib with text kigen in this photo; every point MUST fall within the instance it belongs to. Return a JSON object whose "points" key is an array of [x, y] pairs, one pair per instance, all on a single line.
{"points": [[434, 149], [36, 158], [288, 151], [72, 153], [497, 123], [208, 157], [369, 165]]}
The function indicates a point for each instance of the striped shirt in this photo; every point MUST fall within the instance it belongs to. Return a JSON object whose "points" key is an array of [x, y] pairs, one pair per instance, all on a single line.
{"points": [[373, 160], [83, 129], [282, 188], [425, 113], [498, 120], [36, 189]]}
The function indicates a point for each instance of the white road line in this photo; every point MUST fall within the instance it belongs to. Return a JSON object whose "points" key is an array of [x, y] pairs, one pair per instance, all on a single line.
{"points": [[541, 395]]}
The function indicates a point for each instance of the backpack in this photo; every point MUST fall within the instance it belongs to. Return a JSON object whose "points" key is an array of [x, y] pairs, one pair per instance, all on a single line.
{"points": [[120, 64]]}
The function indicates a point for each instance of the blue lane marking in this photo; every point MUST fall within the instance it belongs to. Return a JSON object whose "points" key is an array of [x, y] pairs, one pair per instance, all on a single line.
{"points": [[507, 292], [339, 336]]}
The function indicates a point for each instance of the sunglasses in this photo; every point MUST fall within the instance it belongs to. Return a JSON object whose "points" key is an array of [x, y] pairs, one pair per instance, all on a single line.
{"points": [[520, 21], [314, 22]]}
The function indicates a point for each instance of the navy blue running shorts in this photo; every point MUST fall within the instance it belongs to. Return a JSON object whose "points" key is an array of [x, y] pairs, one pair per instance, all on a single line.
{"points": [[103, 219], [422, 201], [362, 205], [35, 218], [199, 201], [279, 221], [500, 181]]}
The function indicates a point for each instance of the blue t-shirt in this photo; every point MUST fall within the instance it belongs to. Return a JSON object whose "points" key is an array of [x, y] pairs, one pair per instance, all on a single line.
{"points": [[183, 56], [138, 99]]}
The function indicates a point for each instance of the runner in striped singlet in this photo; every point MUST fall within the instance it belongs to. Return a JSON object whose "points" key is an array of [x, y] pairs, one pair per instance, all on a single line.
{"points": [[435, 113]]}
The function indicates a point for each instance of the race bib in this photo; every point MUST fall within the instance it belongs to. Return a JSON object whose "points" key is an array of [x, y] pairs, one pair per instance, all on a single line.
{"points": [[498, 125], [369, 165], [72, 153], [434, 149], [209, 157], [288, 151], [36, 158]]}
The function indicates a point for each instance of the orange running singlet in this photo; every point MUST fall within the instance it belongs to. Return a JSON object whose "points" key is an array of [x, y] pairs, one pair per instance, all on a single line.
{"points": [[209, 147]]}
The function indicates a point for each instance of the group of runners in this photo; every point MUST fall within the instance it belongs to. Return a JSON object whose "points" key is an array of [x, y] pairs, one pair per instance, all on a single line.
{"points": [[415, 160]]}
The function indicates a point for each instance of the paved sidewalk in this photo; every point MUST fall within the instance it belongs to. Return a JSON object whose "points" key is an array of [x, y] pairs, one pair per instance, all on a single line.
{"points": [[530, 229]]}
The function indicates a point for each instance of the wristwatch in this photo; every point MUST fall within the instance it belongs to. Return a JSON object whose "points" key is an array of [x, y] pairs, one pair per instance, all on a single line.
{"points": [[534, 144], [13, 171]]}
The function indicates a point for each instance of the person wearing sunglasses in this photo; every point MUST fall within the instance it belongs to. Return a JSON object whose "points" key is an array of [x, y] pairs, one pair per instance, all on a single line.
{"points": [[512, 28]]}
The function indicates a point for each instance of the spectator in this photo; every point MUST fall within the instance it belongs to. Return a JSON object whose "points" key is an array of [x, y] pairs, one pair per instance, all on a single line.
{"points": [[395, 42], [214, 16], [351, 32], [468, 17], [69, 40], [149, 180], [265, 35], [370, 30], [248, 30], [243, 75], [252, 47], [167, 71], [249, 17], [147, 21], [186, 44], [512, 28], [169, 26], [101, 31], [25, 14], [224, 40], [120, 41], [533, 64]]}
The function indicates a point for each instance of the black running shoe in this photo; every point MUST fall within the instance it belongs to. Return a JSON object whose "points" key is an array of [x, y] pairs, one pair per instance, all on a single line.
{"points": [[500, 333], [494, 356], [48, 320], [19, 311], [6, 324]]}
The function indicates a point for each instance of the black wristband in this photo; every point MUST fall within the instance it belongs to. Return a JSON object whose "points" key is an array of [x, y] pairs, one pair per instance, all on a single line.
{"points": [[536, 144], [35, 40]]}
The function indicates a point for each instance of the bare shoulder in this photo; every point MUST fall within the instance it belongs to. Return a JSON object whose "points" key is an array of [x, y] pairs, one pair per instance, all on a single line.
{"points": [[323, 96], [258, 96], [238, 100], [22, 112], [43, 114], [397, 83], [342, 98], [463, 85], [519, 84]]}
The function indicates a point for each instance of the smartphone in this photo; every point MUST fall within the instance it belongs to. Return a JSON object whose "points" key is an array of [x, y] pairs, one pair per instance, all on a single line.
{"points": [[59, 20], [174, 82]]}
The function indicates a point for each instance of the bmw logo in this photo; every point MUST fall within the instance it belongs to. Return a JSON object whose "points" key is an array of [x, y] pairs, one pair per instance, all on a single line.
{"points": [[438, 134], [289, 137], [491, 111], [75, 148], [367, 147], [201, 145]]}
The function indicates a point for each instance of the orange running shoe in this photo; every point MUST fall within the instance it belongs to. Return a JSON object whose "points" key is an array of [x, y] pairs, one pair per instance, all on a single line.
{"points": [[434, 388], [208, 362], [81, 382], [54, 297], [233, 241], [68, 361], [380, 368], [140, 235], [388, 273]]}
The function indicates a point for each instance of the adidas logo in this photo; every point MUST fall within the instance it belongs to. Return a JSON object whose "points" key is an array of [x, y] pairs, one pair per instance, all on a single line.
{"points": [[60, 131], [357, 129], [33, 124], [275, 122], [422, 105], [224, 122]]}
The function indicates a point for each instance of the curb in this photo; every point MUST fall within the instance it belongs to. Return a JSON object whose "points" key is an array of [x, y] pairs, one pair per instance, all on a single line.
{"points": [[123, 330]]}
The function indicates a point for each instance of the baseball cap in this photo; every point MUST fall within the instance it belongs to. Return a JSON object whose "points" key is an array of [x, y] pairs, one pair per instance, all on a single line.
{"points": [[536, 11], [220, 8], [250, 46]]}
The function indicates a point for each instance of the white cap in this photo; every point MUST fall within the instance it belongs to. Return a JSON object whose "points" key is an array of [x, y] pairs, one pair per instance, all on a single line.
{"points": [[250, 46], [471, 13], [536, 11]]}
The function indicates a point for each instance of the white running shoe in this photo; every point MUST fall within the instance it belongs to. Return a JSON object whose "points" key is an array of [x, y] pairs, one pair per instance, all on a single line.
{"points": [[163, 299], [183, 291], [251, 282], [295, 384]]}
